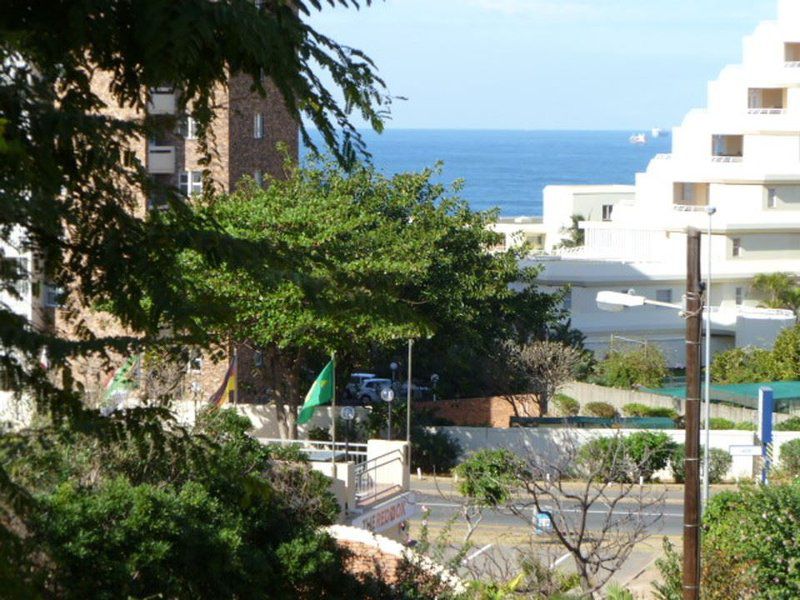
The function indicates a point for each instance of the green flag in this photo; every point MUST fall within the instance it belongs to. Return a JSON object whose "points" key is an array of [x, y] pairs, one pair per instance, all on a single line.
{"points": [[321, 392]]}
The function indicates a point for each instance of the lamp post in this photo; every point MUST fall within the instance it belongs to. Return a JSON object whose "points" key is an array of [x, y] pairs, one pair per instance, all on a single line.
{"points": [[710, 210], [615, 301]]}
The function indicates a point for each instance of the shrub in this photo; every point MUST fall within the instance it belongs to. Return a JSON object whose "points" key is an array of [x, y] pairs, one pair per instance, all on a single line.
{"points": [[720, 423], [743, 365], [489, 476], [662, 411], [644, 366], [790, 424], [635, 409], [433, 451], [600, 409], [627, 458], [790, 457], [745, 426], [750, 543], [719, 462], [319, 434], [566, 406]]}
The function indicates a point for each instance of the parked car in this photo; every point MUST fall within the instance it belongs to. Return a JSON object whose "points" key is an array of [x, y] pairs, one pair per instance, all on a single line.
{"points": [[418, 392], [370, 390], [354, 384]]}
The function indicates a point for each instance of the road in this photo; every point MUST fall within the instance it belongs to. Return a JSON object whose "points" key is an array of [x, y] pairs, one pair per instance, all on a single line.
{"points": [[502, 534]]}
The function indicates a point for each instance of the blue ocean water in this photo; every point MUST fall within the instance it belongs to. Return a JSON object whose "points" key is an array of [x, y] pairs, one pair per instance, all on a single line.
{"points": [[509, 169]]}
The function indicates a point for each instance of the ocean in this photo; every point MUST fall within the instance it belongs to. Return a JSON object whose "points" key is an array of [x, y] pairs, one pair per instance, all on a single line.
{"points": [[509, 169]]}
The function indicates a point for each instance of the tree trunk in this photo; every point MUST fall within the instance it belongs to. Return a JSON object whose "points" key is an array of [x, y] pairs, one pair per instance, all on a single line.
{"points": [[284, 376], [586, 582]]}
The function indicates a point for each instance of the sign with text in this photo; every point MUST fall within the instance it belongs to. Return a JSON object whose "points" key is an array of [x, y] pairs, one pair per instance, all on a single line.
{"points": [[388, 514], [745, 450]]}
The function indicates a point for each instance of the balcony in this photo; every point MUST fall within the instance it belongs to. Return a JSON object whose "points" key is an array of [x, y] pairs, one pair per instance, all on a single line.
{"points": [[162, 101], [161, 160], [766, 101]]}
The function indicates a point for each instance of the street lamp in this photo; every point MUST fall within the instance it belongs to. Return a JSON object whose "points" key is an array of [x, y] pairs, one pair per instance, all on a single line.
{"points": [[616, 302]]}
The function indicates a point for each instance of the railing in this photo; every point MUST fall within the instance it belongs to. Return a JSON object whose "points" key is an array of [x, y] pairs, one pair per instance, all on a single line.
{"points": [[766, 111], [367, 484], [356, 453], [663, 156], [726, 159], [792, 64]]}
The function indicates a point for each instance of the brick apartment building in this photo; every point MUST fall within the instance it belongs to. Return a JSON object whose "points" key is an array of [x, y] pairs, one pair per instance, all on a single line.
{"points": [[244, 139]]}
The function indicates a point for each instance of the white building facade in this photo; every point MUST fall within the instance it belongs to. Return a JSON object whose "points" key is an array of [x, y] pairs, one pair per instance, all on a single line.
{"points": [[741, 156]]}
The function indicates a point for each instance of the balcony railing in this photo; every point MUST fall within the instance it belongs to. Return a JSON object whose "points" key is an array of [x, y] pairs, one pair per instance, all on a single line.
{"points": [[792, 64], [766, 111], [726, 159], [663, 156], [162, 101], [161, 160]]}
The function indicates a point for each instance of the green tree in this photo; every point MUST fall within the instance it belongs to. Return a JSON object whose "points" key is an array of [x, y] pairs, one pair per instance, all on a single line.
{"points": [[373, 260], [644, 366], [780, 290], [489, 477], [69, 188], [574, 233], [790, 457]]}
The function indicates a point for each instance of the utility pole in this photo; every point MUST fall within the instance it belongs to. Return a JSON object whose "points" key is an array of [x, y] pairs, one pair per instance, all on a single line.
{"points": [[691, 490]]}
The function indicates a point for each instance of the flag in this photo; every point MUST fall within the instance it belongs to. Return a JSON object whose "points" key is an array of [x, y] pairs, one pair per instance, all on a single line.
{"points": [[227, 391], [321, 392], [122, 382]]}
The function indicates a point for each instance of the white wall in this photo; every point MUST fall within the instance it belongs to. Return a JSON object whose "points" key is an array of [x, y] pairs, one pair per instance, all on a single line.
{"points": [[547, 443]]}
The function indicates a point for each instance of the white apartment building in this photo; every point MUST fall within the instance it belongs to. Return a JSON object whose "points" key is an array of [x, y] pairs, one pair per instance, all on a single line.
{"points": [[739, 155]]}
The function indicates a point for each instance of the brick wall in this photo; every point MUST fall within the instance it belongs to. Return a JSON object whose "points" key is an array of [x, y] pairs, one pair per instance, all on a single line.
{"points": [[494, 411]]}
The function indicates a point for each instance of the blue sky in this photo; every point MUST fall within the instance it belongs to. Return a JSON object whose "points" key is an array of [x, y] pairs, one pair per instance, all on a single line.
{"points": [[547, 64]]}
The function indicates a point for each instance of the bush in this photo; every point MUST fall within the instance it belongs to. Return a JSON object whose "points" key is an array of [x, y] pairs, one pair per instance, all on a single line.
{"points": [[635, 409], [489, 476], [627, 458], [745, 426], [433, 451], [750, 543], [720, 423], [320, 434], [743, 365], [566, 406], [644, 366], [600, 409], [790, 457], [661, 411], [719, 462], [790, 424]]}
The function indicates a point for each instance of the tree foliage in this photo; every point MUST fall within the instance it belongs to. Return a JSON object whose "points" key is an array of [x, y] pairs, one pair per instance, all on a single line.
{"points": [[489, 477], [780, 290], [719, 462], [368, 260], [543, 367]]}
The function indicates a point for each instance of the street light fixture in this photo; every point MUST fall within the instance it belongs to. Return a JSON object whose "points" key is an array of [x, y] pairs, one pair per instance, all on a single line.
{"points": [[616, 302]]}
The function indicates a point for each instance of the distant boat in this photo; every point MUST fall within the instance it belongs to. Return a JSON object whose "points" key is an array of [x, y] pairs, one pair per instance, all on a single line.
{"points": [[658, 132], [638, 138]]}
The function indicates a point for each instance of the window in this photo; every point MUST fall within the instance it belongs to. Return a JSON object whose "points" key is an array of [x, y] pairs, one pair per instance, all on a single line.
{"points": [[664, 295], [15, 271], [188, 128], [739, 296], [736, 247], [607, 210], [258, 176], [191, 182], [258, 126], [690, 194], [52, 296], [772, 198]]}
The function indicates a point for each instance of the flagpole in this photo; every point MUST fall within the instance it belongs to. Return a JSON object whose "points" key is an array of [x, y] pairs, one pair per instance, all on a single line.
{"points": [[333, 414]]}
